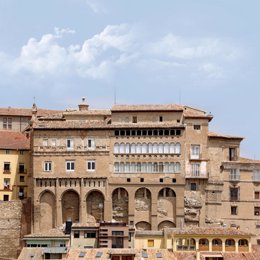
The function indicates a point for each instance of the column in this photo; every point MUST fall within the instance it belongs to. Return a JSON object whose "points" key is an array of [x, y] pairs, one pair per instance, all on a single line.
{"points": [[154, 220], [236, 245], [58, 205], [197, 244], [223, 246], [249, 246], [210, 245], [174, 245], [83, 214]]}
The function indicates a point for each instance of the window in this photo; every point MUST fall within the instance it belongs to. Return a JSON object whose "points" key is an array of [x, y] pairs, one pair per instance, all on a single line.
{"points": [[7, 167], [47, 166], [88, 234], [70, 144], [7, 123], [150, 243], [257, 211], [91, 165], [70, 166], [21, 178], [233, 210], [234, 175], [7, 151], [53, 142], [141, 179], [134, 119], [193, 186], [196, 127], [195, 152], [232, 154], [160, 118], [234, 194], [21, 168], [6, 197], [257, 195], [6, 184], [195, 169], [91, 144], [256, 175], [76, 234], [45, 142]]}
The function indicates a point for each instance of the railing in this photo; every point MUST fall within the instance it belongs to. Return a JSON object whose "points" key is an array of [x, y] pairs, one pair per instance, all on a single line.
{"points": [[197, 175], [55, 250], [6, 170]]}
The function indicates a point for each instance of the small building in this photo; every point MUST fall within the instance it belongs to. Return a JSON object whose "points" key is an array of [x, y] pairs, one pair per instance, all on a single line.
{"points": [[52, 244], [14, 163]]}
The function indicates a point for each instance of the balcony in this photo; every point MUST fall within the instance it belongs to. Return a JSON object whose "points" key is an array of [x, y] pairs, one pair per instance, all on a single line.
{"points": [[7, 171], [195, 156], [196, 175], [22, 171]]}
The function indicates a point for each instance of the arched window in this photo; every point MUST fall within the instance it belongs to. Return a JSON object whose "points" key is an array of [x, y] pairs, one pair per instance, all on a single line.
{"points": [[177, 167], [143, 167], [150, 148], [178, 148], [116, 148], [121, 167], [144, 148], [122, 148], [138, 148], [172, 148], [166, 167], [132, 167], [133, 148], [127, 167], [171, 167], [116, 167], [160, 150], [155, 148], [127, 148], [155, 167], [149, 167], [138, 167], [166, 148]]}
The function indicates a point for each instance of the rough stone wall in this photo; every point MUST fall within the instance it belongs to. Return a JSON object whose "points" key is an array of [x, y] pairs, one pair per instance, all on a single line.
{"points": [[15, 221]]}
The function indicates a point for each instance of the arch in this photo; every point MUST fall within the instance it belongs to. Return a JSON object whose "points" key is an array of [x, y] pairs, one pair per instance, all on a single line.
{"points": [[243, 245], [144, 148], [120, 205], [216, 244], [70, 206], [203, 244], [95, 206], [166, 192], [47, 210], [143, 199], [166, 224], [143, 225], [230, 244], [166, 148]]}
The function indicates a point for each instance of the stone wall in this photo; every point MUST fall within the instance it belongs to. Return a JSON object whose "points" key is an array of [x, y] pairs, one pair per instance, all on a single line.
{"points": [[15, 221]]}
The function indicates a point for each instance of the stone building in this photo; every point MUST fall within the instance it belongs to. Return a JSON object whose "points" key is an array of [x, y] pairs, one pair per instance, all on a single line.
{"points": [[148, 166]]}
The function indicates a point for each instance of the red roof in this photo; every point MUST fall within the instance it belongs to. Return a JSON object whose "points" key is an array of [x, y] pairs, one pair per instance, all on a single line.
{"points": [[14, 141]]}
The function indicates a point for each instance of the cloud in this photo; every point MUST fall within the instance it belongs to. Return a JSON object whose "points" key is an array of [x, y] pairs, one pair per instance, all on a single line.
{"points": [[117, 47], [96, 7]]}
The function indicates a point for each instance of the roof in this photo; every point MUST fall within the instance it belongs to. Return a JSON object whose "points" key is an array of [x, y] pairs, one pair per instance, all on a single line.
{"points": [[101, 112], [211, 231], [14, 141], [218, 135], [26, 112], [51, 233], [141, 108]]}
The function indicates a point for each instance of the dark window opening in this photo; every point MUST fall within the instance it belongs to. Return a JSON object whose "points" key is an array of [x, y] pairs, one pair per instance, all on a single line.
{"points": [[116, 133], [122, 132], [160, 132], [128, 180], [193, 186], [178, 132], [173, 180], [233, 210], [172, 132], [134, 119], [196, 127], [166, 132], [161, 119], [161, 179], [141, 179]]}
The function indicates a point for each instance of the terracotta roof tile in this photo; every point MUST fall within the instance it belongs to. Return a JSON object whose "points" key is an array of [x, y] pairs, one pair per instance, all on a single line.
{"points": [[26, 112], [52, 233], [14, 140]]}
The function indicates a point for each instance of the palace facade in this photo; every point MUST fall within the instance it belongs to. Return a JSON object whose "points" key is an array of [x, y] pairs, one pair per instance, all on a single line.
{"points": [[147, 166]]}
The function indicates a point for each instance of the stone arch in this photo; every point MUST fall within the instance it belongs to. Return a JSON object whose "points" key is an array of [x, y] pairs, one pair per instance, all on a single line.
{"points": [[166, 205], [143, 201], [143, 225], [216, 244], [230, 244], [203, 244], [120, 205], [95, 206], [70, 206], [47, 210], [166, 224]]}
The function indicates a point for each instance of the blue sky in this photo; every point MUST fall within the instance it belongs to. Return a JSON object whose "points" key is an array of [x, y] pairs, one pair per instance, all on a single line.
{"points": [[203, 53]]}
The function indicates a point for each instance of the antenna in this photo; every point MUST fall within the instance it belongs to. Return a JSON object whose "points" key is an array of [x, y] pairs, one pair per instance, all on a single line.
{"points": [[34, 99]]}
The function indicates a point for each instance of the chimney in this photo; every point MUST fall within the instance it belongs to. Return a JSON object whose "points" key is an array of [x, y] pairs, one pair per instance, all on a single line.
{"points": [[83, 106], [34, 112]]}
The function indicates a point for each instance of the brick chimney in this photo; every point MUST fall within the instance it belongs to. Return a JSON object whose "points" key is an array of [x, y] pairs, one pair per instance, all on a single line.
{"points": [[83, 106]]}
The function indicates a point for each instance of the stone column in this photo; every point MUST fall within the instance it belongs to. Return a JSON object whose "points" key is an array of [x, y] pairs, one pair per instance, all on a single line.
{"points": [[83, 213], [210, 245], [249, 246], [223, 246], [154, 217], [131, 205], [197, 244], [58, 205], [236, 245], [174, 245]]}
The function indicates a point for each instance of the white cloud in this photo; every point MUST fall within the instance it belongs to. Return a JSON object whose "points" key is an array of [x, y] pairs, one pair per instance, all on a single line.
{"points": [[117, 46]]}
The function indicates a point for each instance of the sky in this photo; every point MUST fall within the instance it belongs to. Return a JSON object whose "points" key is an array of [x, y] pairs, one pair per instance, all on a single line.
{"points": [[203, 53]]}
